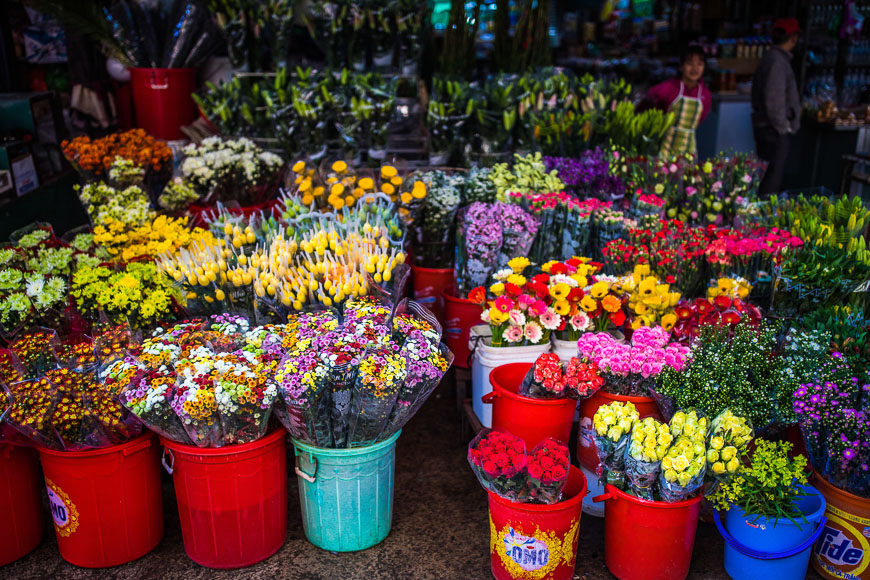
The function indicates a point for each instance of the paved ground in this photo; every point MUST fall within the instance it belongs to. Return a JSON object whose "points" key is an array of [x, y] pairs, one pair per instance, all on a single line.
{"points": [[440, 527]]}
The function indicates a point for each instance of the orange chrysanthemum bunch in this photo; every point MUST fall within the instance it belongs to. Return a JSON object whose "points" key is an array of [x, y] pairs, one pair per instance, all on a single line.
{"points": [[97, 155]]}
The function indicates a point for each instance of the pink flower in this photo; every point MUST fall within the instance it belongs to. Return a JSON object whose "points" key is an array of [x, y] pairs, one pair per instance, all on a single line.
{"points": [[513, 334], [526, 300], [690, 191], [517, 318], [484, 316], [538, 308], [580, 321], [716, 186], [674, 168], [533, 332], [646, 370], [504, 304], [550, 320], [747, 178]]}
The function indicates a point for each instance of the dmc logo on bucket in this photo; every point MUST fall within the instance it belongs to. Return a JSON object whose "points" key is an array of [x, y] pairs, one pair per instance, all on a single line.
{"points": [[837, 548], [530, 553]]}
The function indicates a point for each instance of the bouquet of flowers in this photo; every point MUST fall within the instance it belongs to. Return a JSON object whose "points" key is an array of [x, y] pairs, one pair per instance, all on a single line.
{"points": [[650, 441], [725, 371], [547, 466], [587, 176], [727, 445], [94, 158], [721, 311], [683, 468], [35, 351], [103, 202], [832, 415], [650, 300], [631, 369], [499, 461], [432, 232], [613, 424], [227, 170], [547, 379]]}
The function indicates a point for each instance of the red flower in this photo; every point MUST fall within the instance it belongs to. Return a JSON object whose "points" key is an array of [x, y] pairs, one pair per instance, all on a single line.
{"points": [[535, 470], [722, 302], [617, 318], [683, 312], [477, 295], [541, 278], [670, 279], [703, 305], [731, 317], [512, 290], [558, 268], [541, 290], [576, 294]]}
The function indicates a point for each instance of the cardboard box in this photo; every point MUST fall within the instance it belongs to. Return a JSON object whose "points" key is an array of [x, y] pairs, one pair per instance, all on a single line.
{"points": [[17, 158]]}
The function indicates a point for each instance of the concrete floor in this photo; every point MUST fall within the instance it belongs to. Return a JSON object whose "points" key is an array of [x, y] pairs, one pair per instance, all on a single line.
{"points": [[440, 527]]}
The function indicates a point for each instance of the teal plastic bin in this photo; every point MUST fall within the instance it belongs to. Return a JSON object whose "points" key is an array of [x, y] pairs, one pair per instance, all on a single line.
{"points": [[346, 494]]}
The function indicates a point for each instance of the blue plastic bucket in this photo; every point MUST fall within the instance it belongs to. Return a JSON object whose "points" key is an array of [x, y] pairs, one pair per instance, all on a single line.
{"points": [[346, 494], [758, 549]]}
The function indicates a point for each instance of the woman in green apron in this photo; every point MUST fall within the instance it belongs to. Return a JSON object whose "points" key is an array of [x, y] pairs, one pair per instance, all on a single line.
{"points": [[687, 98]]}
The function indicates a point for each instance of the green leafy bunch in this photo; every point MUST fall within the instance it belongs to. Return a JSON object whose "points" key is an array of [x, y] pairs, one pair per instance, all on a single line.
{"points": [[739, 372]]}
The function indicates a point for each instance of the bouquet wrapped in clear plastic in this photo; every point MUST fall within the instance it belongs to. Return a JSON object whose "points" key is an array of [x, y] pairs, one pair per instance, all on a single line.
{"points": [[382, 371], [650, 440], [548, 380], [726, 446], [683, 469], [612, 424], [150, 396], [498, 460], [547, 466], [301, 380]]}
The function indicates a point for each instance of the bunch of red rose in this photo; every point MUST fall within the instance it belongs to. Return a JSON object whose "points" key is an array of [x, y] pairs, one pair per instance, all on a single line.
{"points": [[721, 311], [548, 380], [499, 461], [501, 464], [548, 465]]}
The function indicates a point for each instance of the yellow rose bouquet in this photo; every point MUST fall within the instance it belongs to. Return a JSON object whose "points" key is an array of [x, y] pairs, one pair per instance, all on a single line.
{"points": [[613, 424], [728, 444], [650, 441]]}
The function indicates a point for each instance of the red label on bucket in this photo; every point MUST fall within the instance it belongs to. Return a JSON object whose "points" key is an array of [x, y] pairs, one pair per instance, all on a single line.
{"points": [[842, 549], [63, 510]]}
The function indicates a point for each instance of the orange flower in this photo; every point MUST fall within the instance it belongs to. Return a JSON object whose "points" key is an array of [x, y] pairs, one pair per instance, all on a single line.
{"points": [[477, 295], [611, 303]]}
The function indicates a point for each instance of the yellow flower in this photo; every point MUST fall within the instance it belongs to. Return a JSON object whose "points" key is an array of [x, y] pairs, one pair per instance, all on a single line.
{"points": [[517, 279], [366, 183], [388, 172], [388, 189], [560, 291], [497, 316], [588, 303], [647, 286], [405, 197], [497, 289], [668, 321], [659, 188], [708, 167], [581, 280], [641, 308], [396, 181], [562, 307], [339, 166], [419, 190], [641, 271], [599, 289], [299, 167], [546, 267], [305, 185], [518, 264]]}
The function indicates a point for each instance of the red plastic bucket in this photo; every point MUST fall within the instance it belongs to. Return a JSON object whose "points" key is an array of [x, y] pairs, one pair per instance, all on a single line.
{"points": [[106, 504], [586, 453], [536, 541], [162, 100], [429, 285], [20, 502], [460, 314], [232, 501], [530, 419], [648, 540]]}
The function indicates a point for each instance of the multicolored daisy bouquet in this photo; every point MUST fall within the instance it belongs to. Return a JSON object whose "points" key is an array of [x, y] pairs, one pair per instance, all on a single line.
{"points": [[354, 379]]}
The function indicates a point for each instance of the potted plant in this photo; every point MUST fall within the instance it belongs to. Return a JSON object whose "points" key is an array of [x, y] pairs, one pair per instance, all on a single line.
{"points": [[449, 109], [772, 517]]}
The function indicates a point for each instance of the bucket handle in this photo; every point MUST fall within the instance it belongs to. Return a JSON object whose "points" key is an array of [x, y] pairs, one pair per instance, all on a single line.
{"points": [[602, 497], [489, 397], [161, 85], [309, 478], [747, 551], [143, 444], [169, 468]]}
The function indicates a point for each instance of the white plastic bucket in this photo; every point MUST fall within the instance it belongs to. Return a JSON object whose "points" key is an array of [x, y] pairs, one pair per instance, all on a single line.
{"points": [[565, 349], [595, 489], [487, 358]]}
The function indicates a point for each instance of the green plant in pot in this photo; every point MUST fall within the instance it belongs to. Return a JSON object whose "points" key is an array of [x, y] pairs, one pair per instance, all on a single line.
{"points": [[772, 518], [449, 109], [497, 117]]}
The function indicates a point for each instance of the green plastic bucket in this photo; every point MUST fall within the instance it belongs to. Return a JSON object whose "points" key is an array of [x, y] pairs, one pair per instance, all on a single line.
{"points": [[346, 494]]}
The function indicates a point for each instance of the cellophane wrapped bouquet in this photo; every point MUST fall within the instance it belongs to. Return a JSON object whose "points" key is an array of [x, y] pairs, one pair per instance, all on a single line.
{"points": [[612, 424], [204, 381], [550, 379], [354, 379], [505, 467]]}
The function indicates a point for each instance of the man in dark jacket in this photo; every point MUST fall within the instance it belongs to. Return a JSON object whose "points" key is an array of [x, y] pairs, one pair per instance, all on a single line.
{"points": [[775, 103]]}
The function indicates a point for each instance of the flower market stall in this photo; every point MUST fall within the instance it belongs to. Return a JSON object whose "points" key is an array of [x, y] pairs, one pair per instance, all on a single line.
{"points": [[248, 355]]}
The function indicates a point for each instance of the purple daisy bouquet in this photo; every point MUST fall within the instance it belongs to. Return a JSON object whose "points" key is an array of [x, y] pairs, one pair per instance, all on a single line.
{"points": [[834, 419], [487, 237]]}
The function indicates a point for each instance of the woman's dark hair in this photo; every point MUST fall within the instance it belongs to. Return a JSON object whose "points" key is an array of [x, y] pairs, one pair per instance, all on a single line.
{"points": [[693, 50]]}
